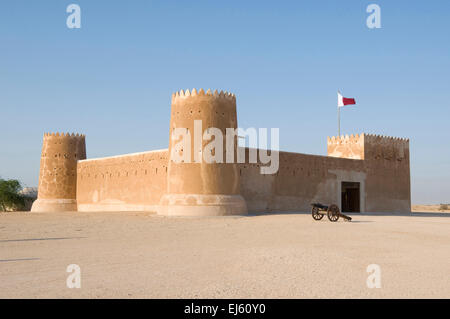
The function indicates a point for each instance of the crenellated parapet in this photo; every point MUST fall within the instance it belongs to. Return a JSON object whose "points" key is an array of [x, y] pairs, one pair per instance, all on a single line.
{"points": [[213, 108], [379, 137], [368, 147], [388, 148], [346, 146], [182, 94], [346, 139], [58, 172]]}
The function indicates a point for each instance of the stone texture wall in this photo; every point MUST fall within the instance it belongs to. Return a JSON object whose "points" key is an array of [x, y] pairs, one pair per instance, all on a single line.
{"points": [[346, 146], [138, 181], [133, 182], [387, 164], [195, 187], [58, 171], [152, 181], [59, 156], [301, 179], [216, 110]]}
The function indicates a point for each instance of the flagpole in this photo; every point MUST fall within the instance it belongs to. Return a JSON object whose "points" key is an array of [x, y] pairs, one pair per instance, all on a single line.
{"points": [[339, 121], [339, 115]]}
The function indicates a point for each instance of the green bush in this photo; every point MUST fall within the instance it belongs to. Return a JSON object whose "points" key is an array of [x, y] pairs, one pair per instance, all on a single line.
{"points": [[10, 199]]}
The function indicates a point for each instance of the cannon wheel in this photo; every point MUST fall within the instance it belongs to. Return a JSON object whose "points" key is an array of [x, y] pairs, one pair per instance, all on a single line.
{"points": [[333, 213], [315, 213]]}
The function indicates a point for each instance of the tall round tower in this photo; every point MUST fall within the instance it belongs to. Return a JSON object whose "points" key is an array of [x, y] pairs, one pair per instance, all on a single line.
{"points": [[199, 187], [58, 173]]}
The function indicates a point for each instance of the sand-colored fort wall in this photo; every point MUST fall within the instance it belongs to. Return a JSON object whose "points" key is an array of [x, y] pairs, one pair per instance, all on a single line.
{"points": [[104, 185], [346, 146], [387, 166], [376, 167], [138, 181], [194, 186], [301, 179], [58, 172], [379, 164], [132, 182]]}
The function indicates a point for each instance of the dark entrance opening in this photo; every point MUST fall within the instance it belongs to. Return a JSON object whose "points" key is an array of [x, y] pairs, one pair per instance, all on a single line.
{"points": [[350, 197]]}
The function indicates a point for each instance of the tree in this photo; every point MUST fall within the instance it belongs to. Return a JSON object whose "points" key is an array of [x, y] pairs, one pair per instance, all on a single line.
{"points": [[9, 194]]}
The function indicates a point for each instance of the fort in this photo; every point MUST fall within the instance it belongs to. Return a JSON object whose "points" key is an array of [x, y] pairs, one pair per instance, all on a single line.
{"points": [[361, 173]]}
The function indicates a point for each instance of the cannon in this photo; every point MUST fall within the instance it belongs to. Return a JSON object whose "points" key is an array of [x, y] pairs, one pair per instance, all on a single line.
{"points": [[332, 212]]}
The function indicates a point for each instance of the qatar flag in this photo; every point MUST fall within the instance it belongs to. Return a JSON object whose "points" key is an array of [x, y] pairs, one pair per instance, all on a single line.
{"points": [[342, 101]]}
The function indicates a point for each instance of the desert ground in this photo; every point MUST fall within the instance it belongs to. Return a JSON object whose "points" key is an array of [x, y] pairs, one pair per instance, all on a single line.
{"points": [[285, 255], [429, 208]]}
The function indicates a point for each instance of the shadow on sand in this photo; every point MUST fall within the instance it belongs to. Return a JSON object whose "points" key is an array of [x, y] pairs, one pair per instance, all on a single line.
{"points": [[19, 259], [412, 214], [35, 239]]}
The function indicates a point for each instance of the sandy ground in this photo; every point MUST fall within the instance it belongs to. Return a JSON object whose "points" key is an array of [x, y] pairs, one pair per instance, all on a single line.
{"points": [[429, 208], [139, 255]]}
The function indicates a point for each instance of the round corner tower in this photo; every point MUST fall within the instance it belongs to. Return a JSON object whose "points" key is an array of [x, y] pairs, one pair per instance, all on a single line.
{"points": [[58, 172], [198, 187]]}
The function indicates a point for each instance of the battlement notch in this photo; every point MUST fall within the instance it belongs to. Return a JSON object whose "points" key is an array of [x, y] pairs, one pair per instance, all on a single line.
{"points": [[186, 94]]}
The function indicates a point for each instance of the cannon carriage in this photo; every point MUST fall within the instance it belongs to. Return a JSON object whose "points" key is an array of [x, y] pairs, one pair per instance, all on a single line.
{"points": [[331, 211]]}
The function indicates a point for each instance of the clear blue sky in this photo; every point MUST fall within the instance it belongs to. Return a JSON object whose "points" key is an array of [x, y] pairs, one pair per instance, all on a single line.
{"points": [[113, 78]]}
